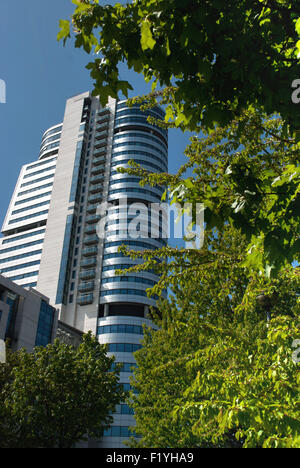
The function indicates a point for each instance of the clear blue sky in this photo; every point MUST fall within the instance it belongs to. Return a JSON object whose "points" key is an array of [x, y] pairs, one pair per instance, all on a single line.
{"points": [[40, 74]]}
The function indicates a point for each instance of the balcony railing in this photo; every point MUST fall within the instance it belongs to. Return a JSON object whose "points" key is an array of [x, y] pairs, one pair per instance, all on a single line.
{"points": [[101, 120], [88, 240], [92, 219], [99, 162], [100, 135], [96, 188], [86, 299], [86, 287], [98, 169], [92, 208], [101, 144], [88, 274], [91, 229], [96, 178], [104, 112], [90, 251], [96, 197], [87, 262]]}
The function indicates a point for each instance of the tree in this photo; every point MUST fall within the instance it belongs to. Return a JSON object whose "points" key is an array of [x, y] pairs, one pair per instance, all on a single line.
{"points": [[217, 83], [216, 373], [247, 175], [215, 58], [57, 396]]}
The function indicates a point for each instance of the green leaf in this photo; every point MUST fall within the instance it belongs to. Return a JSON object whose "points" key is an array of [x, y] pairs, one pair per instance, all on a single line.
{"points": [[64, 32], [297, 26], [147, 41]]}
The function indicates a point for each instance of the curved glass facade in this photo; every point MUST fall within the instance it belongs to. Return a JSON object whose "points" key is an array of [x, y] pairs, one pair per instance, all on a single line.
{"points": [[134, 139], [124, 303]]}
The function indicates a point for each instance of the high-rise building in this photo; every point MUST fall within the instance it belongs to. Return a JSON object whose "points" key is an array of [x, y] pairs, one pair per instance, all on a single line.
{"points": [[51, 239]]}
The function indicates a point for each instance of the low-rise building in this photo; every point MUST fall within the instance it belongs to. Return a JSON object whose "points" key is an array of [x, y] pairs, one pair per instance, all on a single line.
{"points": [[26, 317]]}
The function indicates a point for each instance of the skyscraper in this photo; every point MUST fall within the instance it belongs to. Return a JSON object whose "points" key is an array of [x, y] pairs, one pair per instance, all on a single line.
{"points": [[50, 232]]}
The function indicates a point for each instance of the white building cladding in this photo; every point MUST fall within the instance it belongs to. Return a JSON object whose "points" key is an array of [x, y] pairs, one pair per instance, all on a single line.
{"points": [[55, 238]]}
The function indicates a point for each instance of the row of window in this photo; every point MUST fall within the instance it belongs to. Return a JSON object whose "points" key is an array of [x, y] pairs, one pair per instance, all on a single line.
{"points": [[123, 347], [19, 257], [37, 180], [27, 200], [137, 111], [132, 243], [119, 431], [123, 221], [135, 190], [49, 139], [124, 409], [46, 161], [24, 218], [31, 207], [34, 189], [128, 292], [126, 366], [120, 328], [124, 120], [113, 255], [138, 161], [25, 275], [145, 136], [161, 159], [52, 132], [126, 180], [48, 147], [125, 209], [20, 267], [128, 279], [122, 266], [139, 143], [155, 235], [33, 174], [120, 255], [22, 246], [156, 109], [24, 236]]}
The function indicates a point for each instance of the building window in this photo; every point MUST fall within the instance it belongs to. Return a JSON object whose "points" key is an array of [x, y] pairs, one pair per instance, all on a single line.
{"points": [[119, 328], [45, 325], [123, 347]]}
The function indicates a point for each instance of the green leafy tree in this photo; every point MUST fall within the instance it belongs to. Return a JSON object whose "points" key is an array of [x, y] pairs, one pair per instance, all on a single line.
{"points": [[57, 396], [225, 68], [216, 373], [247, 175], [215, 58]]}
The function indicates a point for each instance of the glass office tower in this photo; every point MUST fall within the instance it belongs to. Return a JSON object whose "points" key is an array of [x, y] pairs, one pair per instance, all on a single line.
{"points": [[51, 237]]}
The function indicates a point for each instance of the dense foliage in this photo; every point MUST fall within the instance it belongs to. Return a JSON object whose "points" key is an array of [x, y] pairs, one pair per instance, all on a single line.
{"points": [[216, 57], [57, 396], [248, 175], [216, 373]]}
